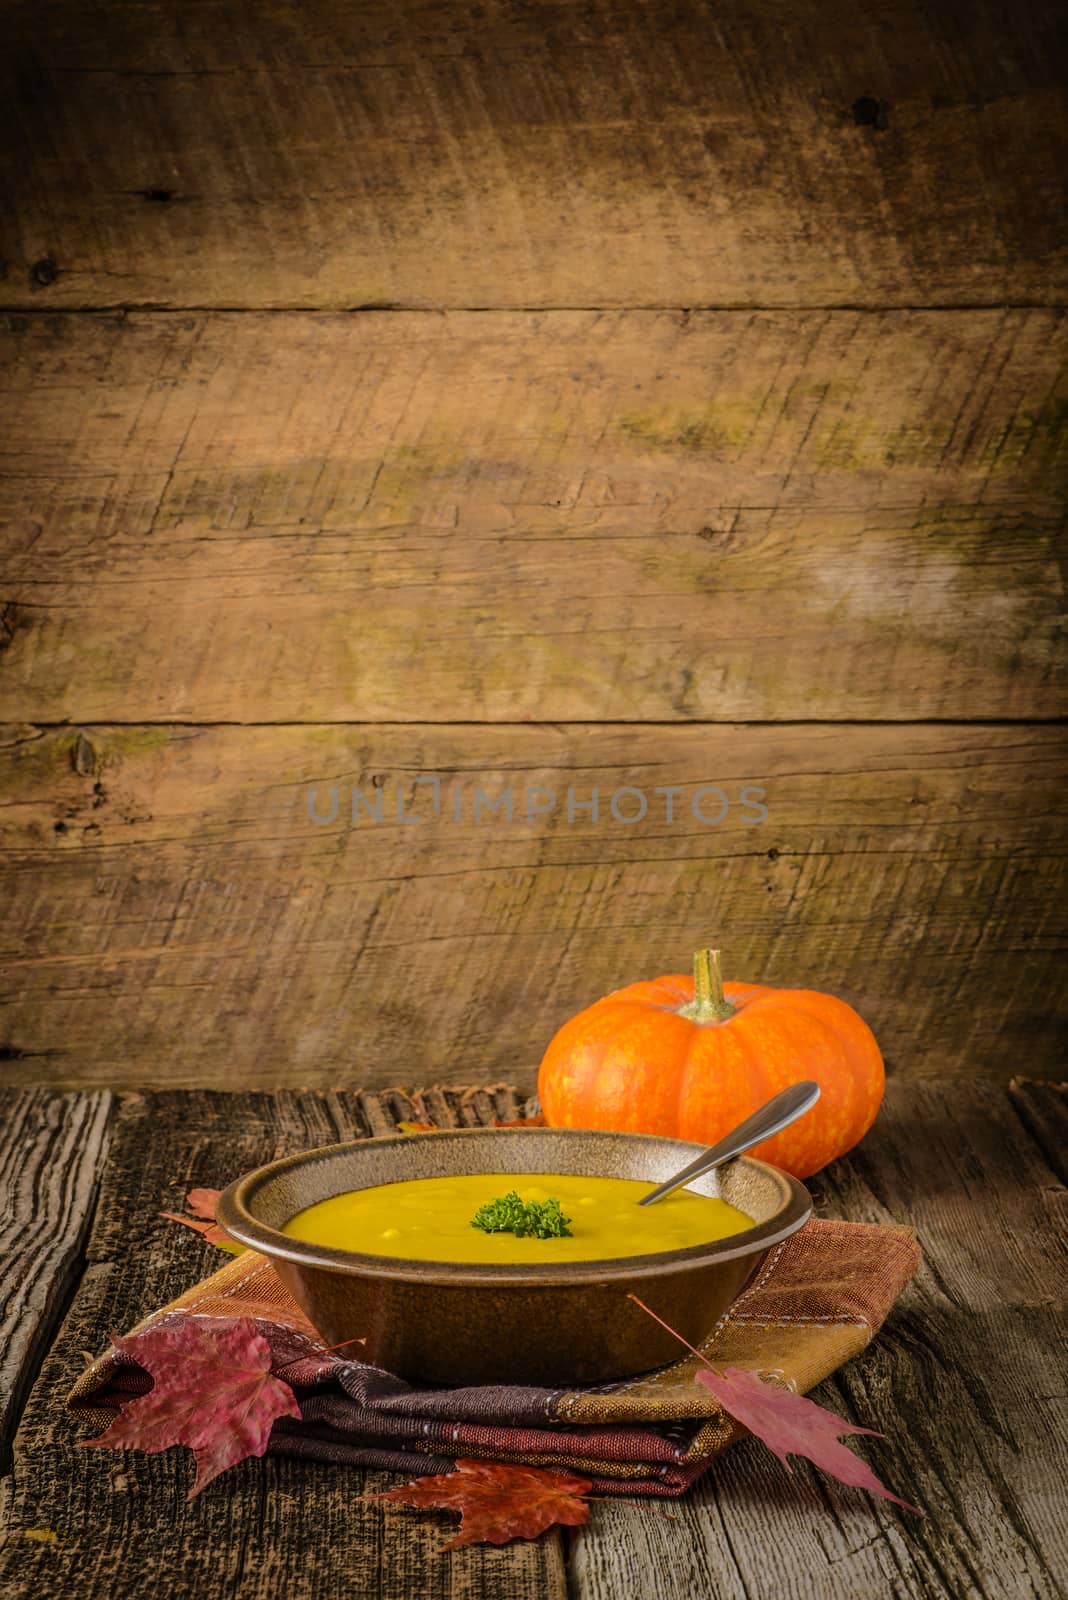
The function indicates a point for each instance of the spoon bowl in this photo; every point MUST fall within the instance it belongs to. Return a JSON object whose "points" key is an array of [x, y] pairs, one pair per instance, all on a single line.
{"points": [[770, 1118]]}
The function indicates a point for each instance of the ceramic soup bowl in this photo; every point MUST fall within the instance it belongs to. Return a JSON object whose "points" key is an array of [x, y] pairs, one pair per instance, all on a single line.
{"points": [[557, 1323]]}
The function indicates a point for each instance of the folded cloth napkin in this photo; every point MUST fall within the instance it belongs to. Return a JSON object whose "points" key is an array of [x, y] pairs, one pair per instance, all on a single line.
{"points": [[818, 1299]]}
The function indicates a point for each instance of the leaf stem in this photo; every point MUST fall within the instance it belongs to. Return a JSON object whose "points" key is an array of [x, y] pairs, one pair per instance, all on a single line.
{"points": [[674, 1334], [359, 1339]]}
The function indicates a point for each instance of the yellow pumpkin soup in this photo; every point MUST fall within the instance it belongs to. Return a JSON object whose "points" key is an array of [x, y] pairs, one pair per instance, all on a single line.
{"points": [[509, 1218]]}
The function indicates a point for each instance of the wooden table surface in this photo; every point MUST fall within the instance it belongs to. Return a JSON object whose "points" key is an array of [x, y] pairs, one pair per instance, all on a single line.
{"points": [[966, 1379]]}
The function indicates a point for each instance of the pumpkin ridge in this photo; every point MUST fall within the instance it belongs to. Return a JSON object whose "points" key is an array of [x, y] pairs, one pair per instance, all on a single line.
{"points": [[683, 1083], [865, 1093], [756, 1066]]}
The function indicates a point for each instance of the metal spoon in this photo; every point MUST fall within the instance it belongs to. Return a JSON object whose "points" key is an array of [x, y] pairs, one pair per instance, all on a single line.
{"points": [[778, 1113]]}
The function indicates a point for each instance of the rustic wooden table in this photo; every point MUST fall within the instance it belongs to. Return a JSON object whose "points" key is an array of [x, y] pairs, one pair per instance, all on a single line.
{"points": [[966, 1380]]}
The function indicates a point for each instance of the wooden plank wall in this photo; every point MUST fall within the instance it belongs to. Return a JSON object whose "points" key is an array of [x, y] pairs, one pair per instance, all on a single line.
{"points": [[542, 398]]}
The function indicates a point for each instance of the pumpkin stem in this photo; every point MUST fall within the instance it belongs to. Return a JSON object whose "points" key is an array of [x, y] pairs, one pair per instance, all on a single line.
{"points": [[709, 1004]]}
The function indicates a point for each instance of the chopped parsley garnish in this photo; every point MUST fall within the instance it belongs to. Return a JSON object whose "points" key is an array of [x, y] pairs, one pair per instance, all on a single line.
{"points": [[541, 1218]]}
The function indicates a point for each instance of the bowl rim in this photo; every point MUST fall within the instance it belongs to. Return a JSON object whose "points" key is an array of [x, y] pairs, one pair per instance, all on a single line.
{"points": [[235, 1216]]}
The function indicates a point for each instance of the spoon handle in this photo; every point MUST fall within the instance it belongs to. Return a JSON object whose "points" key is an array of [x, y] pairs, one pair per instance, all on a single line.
{"points": [[778, 1113]]}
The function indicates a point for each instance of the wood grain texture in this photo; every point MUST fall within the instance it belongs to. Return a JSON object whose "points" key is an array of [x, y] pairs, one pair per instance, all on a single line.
{"points": [[52, 1149], [431, 154], [964, 1380], [174, 913], [574, 516], [276, 1527], [1043, 1110]]}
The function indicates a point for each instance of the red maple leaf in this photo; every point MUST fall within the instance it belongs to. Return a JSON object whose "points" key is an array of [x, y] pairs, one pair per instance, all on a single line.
{"points": [[202, 1203], [786, 1422], [498, 1501], [213, 1391], [791, 1425]]}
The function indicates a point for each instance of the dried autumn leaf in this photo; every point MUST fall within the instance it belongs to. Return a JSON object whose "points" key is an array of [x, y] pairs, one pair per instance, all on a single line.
{"points": [[417, 1127], [212, 1391], [498, 1501], [202, 1203], [522, 1122], [791, 1425], [786, 1422]]}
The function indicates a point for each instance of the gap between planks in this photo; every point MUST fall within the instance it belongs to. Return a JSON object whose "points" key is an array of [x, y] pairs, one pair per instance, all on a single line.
{"points": [[285, 308], [607, 723]]}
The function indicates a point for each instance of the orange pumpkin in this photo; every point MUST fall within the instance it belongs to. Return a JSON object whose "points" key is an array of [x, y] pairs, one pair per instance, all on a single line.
{"points": [[691, 1057]]}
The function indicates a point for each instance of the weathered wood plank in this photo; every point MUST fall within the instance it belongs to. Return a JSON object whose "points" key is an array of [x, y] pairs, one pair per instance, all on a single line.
{"points": [[540, 155], [1043, 1109], [52, 1148], [175, 915], [967, 1438], [633, 516], [275, 1527], [964, 1379], [974, 1412], [955, 1160]]}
